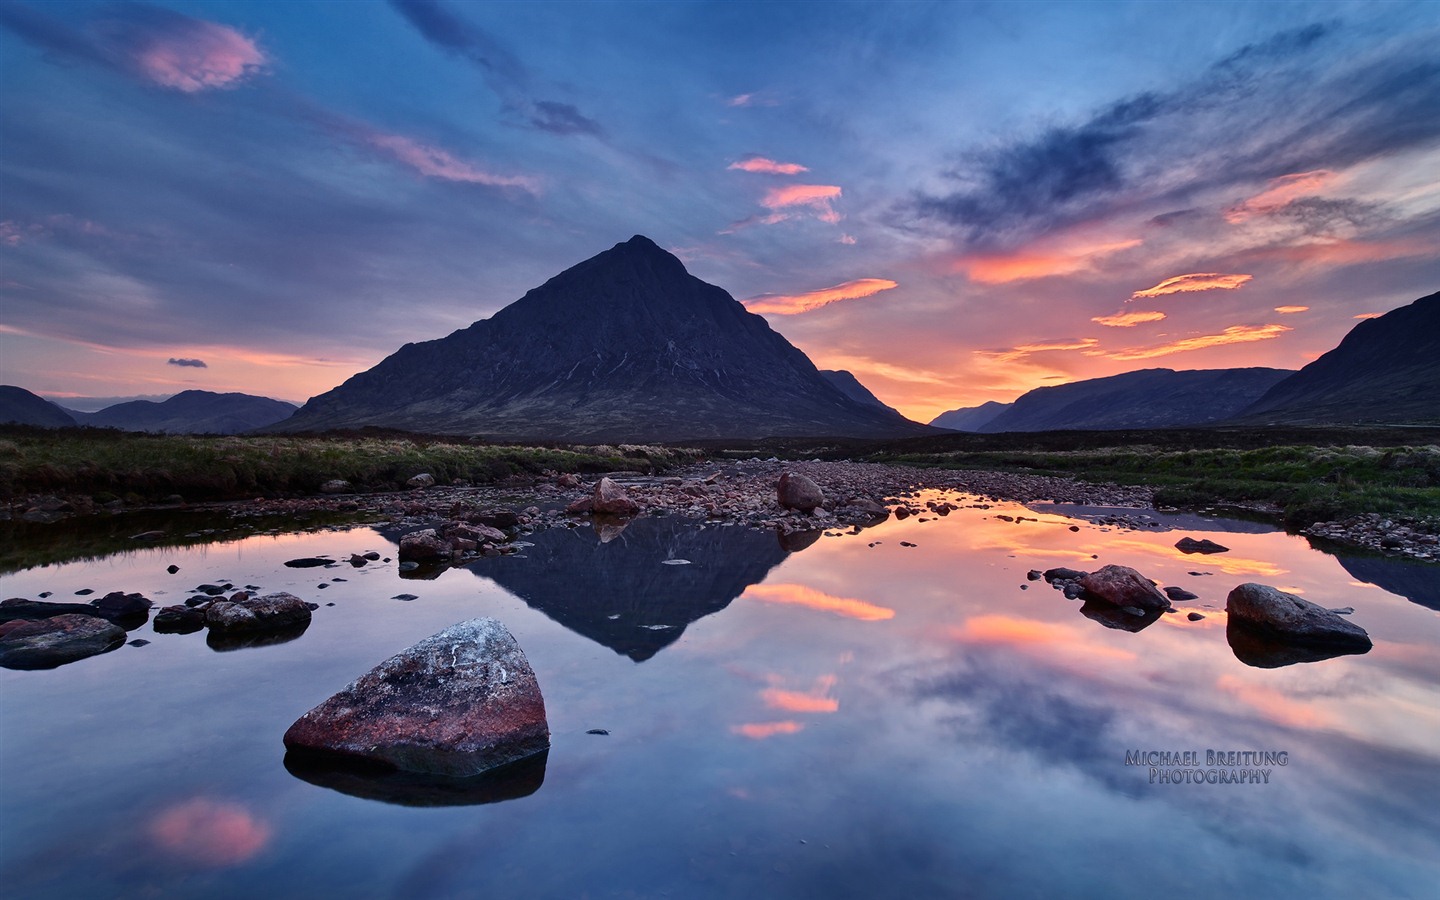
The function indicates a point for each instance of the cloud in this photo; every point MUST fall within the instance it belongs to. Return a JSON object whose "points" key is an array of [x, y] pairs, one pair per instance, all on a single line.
{"points": [[1289, 310], [1130, 319], [154, 45], [1015, 354], [1367, 316], [754, 98], [847, 239], [191, 363], [1235, 334], [792, 304], [767, 166], [435, 162], [1200, 281], [813, 701], [503, 72], [1279, 193], [816, 197], [800, 595], [1037, 261], [759, 731], [207, 832]]}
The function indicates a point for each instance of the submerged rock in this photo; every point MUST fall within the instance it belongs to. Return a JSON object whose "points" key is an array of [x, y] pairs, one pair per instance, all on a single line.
{"points": [[1190, 545], [796, 491], [1291, 619], [1123, 586], [52, 642], [178, 619], [272, 612], [457, 703]]}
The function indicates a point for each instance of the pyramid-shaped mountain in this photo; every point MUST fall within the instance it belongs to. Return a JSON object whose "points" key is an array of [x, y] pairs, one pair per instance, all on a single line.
{"points": [[625, 346], [1386, 370]]}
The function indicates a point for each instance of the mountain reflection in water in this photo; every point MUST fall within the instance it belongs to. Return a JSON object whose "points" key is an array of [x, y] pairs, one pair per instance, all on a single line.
{"points": [[619, 592]]}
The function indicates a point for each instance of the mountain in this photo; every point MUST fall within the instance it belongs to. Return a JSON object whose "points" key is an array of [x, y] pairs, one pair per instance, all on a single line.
{"points": [[851, 387], [1386, 370], [1146, 398], [192, 412], [625, 346], [20, 407], [970, 418]]}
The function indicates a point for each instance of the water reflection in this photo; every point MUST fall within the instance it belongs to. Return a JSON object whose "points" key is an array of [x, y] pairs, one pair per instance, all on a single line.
{"points": [[226, 641], [367, 780], [620, 592], [206, 832], [1254, 647], [1120, 618], [1415, 581]]}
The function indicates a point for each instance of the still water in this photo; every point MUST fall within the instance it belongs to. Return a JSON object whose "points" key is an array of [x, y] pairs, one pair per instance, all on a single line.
{"points": [[852, 718]]}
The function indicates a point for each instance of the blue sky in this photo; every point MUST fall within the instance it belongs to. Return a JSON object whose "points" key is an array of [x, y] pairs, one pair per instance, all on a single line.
{"points": [[956, 201]]}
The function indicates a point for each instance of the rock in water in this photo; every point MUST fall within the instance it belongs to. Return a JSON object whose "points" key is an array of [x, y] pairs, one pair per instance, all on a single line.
{"points": [[610, 499], [798, 492], [1291, 619], [1123, 586], [53, 642], [268, 613], [1190, 545], [457, 703], [424, 546]]}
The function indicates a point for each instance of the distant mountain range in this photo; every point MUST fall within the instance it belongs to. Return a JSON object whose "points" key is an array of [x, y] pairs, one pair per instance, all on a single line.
{"points": [[1147, 398], [20, 407], [625, 346], [1385, 371], [970, 418], [188, 412]]}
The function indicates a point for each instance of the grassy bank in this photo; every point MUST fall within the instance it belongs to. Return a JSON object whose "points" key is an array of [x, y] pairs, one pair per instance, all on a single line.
{"points": [[1304, 483], [106, 465]]}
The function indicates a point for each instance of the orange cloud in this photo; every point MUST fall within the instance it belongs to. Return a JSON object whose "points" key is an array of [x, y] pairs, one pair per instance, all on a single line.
{"points": [[1199, 281], [437, 163], [1235, 334], [1129, 320], [1016, 354], [1272, 704], [1287, 310], [1030, 264], [815, 701], [767, 166], [1281, 191], [800, 595], [1339, 252], [791, 304], [759, 731], [1015, 632], [209, 832], [815, 196], [1368, 316]]}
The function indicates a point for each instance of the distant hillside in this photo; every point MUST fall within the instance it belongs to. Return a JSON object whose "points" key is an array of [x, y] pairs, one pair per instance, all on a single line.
{"points": [[1147, 398], [970, 418], [851, 387], [625, 346], [192, 412], [1386, 370], [20, 407]]}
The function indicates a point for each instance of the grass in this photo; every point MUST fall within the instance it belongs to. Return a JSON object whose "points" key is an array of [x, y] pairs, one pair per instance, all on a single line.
{"points": [[105, 465]]}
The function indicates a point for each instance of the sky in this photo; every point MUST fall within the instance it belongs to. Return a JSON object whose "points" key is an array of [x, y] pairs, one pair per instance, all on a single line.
{"points": [[957, 202]]}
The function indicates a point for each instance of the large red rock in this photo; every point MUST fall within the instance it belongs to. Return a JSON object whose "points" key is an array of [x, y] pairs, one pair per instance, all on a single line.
{"points": [[47, 643], [1123, 586], [424, 546], [271, 612], [795, 491], [457, 703], [610, 499]]}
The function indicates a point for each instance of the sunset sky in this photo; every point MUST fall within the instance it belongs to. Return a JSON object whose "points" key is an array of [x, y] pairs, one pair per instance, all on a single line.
{"points": [[958, 202]]}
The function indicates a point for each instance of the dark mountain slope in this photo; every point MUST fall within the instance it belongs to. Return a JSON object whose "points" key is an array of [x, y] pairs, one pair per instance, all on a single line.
{"points": [[1386, 370], [851, 387], [192, 412], [625, 346], [1147, 398], [970, 418], [21, 407]]}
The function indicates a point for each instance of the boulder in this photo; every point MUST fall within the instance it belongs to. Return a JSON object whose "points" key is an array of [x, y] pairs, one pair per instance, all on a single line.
{"points": [[1063, 574], [272, 612], [335, 486], [119, 603], [567, 480], [1123, 586], [610, 499], [1290, 619], [423, 480], [52, 642], [795, 491], [424, 546], [178, 619], [457, 703], [1190, 545]]}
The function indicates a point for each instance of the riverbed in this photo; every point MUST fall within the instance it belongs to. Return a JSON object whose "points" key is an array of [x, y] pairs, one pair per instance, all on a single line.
{"points": [[898, 710]]}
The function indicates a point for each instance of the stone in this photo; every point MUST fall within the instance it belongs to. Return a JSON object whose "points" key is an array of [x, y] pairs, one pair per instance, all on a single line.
{"points": [[423, 480], [272, 612], [795, 491], [424, 546], [58, 640], [335, 486], [1190, 545], [1195, 617], [1063, 574], [1289, 618], [1123, 586], [178, 620], [869, 508], [308, 562], [458, 703], [581, 506], [1179, 594], [567, 480], [610, 499]]}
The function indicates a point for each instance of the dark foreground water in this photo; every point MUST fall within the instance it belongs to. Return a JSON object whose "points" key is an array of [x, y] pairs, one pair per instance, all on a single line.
{"points": [[837, 720]]}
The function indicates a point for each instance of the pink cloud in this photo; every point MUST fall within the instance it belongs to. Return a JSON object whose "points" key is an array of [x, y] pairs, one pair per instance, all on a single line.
{"points": [[1199, 281], [192, 55], [1129, 320], [767, 166], [435, 162], [791, 304], [1280, 192], [848, 239], [1038, 261], [1235, 334], [816, 197], [209, 832], [800, 595], [1289, 310], [759, 731]]}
